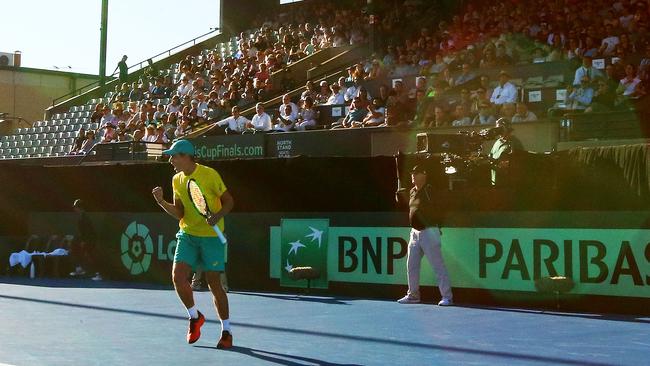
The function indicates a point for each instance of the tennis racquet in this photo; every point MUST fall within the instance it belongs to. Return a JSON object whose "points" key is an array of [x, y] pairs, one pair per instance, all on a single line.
{"points": [[198, 200]]}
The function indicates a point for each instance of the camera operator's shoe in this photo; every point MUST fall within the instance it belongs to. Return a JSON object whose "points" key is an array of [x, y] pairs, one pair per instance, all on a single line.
{"points": [[98, 277], [226, 340], [409, 299], [194, 331], [79, 271], [445, 302]]}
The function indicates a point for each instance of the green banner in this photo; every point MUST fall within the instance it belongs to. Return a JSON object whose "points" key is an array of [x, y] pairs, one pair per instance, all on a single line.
{"points": [[614, 262], [303, 244], [229, 147]]}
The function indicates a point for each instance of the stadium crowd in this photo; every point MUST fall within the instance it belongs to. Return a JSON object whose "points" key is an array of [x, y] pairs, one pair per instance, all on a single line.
{"points": [[454, 58]]}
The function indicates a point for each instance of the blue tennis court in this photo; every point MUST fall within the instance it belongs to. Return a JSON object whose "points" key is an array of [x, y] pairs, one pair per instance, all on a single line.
{"points": [[78, 322]]}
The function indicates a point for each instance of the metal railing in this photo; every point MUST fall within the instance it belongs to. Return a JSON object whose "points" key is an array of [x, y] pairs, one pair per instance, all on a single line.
{"points": [[133, 68]]}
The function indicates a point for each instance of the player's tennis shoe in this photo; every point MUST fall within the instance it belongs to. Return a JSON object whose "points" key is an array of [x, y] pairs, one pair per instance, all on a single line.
{"points": [[194, 332], [445, 302], [409, 299], [226, 340]]}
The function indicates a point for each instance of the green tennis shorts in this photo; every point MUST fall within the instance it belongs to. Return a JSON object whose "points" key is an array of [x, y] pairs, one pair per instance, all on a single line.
{"points": [[200, 252]]}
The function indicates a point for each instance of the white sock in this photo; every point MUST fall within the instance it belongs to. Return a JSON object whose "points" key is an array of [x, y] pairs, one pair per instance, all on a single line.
{"points": [[225, 325], [193, 312]]}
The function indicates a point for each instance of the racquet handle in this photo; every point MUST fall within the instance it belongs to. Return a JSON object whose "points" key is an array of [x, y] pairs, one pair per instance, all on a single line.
{"points": [[220, 234]]}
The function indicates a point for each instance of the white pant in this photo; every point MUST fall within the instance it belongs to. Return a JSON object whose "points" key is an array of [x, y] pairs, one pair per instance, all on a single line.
{"points": [[426, 242]]}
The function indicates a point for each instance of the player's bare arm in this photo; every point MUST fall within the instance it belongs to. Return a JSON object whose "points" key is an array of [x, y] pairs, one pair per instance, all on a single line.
{"points": [[227, 204], [174, 209]]}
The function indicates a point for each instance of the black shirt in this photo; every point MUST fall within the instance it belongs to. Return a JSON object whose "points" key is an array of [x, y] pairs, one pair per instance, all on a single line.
{"points": [[85, 228], [422, 213], [124, 70]]}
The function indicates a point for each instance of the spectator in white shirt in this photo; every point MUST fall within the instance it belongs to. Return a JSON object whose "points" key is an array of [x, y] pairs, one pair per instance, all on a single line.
{"points": [[185, 88], [202, 105], [236, 122], [462, 117], [608, 45], [336, 97], [288, 110], [150, 134], [174, 106], [261, 121], [628, 84], [586, 69], [505, 92], [522, 114]]}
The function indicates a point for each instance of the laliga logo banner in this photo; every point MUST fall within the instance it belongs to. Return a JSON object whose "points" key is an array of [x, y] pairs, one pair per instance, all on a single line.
{"points": [[614, 262], [137, 247]]}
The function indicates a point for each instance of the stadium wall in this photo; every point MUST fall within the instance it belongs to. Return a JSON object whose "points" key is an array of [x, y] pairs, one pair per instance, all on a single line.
{"points": [[27, 92]]}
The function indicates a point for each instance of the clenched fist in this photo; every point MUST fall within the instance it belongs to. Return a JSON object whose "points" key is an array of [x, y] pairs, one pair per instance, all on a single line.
{"points": [[157, 194]]}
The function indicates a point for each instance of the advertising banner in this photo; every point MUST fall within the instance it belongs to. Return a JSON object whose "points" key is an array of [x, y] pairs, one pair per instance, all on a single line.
{"points": [[304, 244], [614, 262]]}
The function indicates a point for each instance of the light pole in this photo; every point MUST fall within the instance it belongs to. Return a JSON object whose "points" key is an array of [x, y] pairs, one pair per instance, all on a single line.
{"points": [[102, 43]]}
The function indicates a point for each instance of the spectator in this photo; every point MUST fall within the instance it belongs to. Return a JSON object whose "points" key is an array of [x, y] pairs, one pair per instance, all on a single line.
{"points": [[122, 133], [309, 91], [629, 83], [522, 114], [98, 114], [124, 69], [122, 95], [235, 123], [307, 116], [580, 98], [465, 76], [505, 92], [159, 90], [609, 43], [356, 114], [261, 121], [604, 97], [89, 143], [462, 116], [161, 137], [586, 69], [336, 97], [174, 106], [324, 93], [183, 128], [507, 112], [484, 116], [78, 141], [185, 88], [150, 134], [136, 94], [109, 133], [439, 118], [288, 111], [376, 114], [138, 135]]}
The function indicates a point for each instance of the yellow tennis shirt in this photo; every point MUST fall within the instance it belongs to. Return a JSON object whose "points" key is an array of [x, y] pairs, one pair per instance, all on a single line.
{"points": [[212, 187]]}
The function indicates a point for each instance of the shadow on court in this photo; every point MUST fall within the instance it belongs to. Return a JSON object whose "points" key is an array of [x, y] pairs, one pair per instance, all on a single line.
{"points": [[304, 298], [594, 316], [82, 282], [279, 358], [338, 336]]}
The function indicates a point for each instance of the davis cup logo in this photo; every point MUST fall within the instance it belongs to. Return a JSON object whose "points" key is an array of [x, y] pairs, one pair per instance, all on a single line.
{"points": [[137, 248]]}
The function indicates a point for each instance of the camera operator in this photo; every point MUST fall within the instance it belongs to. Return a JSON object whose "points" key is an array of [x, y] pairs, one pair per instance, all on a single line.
{"points": [[425, 216], [502, 150]]}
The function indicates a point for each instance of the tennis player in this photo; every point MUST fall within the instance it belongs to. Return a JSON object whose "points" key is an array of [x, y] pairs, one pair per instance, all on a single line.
{"points": [[198, 246]]}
